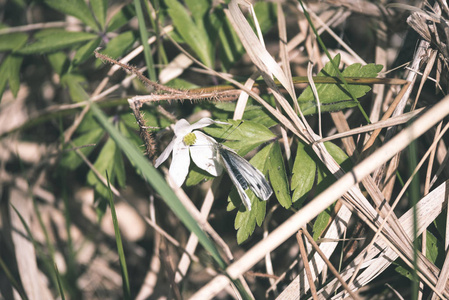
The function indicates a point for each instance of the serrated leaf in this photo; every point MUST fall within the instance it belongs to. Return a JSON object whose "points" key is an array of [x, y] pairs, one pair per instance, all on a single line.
{"points": [[335, 97], [304, 171], [85, 51], [12, 41], [242, 136], [10, 71], [245, 221], [99, 8], [57, 40], [71, 160], [192, 34], [278, 176], [76, 8]]}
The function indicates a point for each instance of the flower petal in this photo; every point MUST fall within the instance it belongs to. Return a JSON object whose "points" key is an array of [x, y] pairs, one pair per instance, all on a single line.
{"points": [[203, 154], [182, 127], [204, 122], [164, 155], [179, 167]]}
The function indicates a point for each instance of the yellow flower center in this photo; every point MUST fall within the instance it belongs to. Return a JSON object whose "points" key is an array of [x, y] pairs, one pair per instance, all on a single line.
{"points": [[189, 139]]}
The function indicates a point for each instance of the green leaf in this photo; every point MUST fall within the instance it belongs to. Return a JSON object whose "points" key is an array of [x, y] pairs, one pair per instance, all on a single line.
{"points": [[122, 17], [226, 106], [129, 132], [86, 51], [119, 45], [266, 13], [278, 176], [231, 47], [76, 8], [242, 136], [59, 62], [193, 34], [197, 175], [260, 116], [404, 271], [99, 8], [338, 154], [151, 175], [321, 222], [12, 41], [10, 70], [431, 247], [76, 91], [304, 171], [335, 97], [56, 40], [109, 160], [198, 8], [71, 160], [325, 178], [253, 113], [245, 221]]}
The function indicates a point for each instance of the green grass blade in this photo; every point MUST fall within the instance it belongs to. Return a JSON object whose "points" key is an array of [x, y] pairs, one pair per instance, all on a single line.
{"points": [[58, 279], [144, 38], [12, 280], [118, 240], [49, 261]]}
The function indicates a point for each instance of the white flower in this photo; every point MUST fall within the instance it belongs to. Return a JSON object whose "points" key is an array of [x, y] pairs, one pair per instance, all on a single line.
{"points": [[203, 153]]}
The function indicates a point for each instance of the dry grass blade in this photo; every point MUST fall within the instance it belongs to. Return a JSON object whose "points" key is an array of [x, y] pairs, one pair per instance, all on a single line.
{"points": [[304, 256], [192, 242], [428, 208], [331, 267], [401, 119], [258, 54], [25, 252], [442, 278], [335, 229]]}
